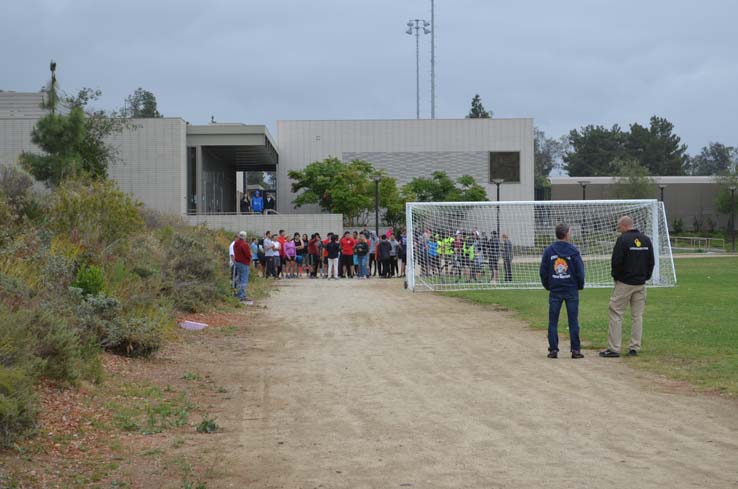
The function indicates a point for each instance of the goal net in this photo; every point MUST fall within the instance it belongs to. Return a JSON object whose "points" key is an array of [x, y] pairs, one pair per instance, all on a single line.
{"points": [[491, 245]]}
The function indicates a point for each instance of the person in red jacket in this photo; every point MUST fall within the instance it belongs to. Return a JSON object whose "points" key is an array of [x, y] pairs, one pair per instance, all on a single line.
{"points": [[242, 259], [314, 254], [347, 255]]}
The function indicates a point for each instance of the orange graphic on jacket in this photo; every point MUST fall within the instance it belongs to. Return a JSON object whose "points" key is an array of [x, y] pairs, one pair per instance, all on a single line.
{"points": [[560, 266]]}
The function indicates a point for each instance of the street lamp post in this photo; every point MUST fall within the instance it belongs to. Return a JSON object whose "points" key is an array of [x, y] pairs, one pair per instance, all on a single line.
{"points": [[584, 184], [661, 189], [498, 182], [417, 24], [376, 204], [732, 217]]}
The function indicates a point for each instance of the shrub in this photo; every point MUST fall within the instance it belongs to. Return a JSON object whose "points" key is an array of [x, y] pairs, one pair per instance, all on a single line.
{"points": [[18, 368], [90, 279], [17, 403], [58, 345], [138, 336], [678, 226], [98, 214], [192, 275]]}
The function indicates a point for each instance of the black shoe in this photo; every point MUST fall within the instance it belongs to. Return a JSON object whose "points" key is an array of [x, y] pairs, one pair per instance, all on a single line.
{"points": [[632, 353], [609, 354], [553, 354], [577, 354]]}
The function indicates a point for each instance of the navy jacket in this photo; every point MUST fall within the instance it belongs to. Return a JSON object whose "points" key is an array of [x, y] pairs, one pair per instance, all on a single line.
{"points": [[562, 269]]}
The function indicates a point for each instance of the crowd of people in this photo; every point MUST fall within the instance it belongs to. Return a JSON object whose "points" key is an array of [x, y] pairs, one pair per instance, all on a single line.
{"points": [[464, 254], [358, 254]]}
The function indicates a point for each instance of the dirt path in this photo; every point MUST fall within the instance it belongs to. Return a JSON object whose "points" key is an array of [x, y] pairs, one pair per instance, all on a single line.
{"points": [[357, 384]]}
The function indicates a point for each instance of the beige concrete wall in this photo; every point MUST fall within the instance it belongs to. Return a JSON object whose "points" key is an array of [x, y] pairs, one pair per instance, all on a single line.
{"points": [[15, 138], [258, 224], [153, 163], [303, 142], [685, 198]]}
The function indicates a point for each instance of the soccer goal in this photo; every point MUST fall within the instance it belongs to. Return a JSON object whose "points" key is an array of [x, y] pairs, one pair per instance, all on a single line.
{"points": [[498, 245]]}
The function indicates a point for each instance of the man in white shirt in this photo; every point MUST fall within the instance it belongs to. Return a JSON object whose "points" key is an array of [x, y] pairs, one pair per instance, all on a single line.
{"points": [[269, 254]]}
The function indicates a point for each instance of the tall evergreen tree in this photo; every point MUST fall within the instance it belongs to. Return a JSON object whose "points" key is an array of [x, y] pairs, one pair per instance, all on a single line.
{"points": [[141, 104], [657, 148], [477, 109], [714, 159], [593, 151]]}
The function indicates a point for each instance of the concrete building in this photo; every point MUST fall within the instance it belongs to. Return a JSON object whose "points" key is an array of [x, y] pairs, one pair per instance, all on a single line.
{"points": [[691, 199], [483, 148], [200, 171]]}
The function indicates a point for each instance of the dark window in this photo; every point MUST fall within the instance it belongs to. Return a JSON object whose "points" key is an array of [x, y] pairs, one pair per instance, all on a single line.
{"points": [[191, 180], [504, 165]]}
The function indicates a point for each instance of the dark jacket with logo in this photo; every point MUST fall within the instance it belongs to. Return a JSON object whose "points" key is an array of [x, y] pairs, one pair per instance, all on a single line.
{"points": [[562, 269], [632, 258]]}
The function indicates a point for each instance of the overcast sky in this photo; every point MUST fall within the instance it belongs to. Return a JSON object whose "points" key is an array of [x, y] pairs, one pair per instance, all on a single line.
{"points": [[566, 64]]}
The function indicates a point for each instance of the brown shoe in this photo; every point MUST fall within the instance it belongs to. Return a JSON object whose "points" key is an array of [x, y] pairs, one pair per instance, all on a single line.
{"points": [[577, 354]]}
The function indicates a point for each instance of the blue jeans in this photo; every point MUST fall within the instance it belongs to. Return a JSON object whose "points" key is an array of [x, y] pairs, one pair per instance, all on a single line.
{"points": [[572, 312], [243, 279], [363, 262]]}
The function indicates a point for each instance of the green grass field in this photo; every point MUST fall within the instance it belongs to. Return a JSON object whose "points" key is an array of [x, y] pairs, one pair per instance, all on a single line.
{"points": [[689, 332]]}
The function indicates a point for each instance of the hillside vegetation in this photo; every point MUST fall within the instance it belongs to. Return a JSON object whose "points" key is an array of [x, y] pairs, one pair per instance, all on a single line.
{"points": [[85, 268]]}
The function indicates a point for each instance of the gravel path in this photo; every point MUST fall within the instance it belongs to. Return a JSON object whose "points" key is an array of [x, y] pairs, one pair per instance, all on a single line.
{"points": [[361, 384]]}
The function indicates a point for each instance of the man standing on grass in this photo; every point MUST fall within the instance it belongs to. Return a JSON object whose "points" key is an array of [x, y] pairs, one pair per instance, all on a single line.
{"points": [[632, 267], [562, 274], [242, 259]]}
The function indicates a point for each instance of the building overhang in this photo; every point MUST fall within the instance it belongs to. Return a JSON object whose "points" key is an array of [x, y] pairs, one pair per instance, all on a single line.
{"points": [[249, 146]]}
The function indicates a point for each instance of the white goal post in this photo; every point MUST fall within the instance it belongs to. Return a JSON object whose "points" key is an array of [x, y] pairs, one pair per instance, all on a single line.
{"points": [[498, 245]]}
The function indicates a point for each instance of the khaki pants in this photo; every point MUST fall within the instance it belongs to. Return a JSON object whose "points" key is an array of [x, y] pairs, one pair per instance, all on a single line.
{"points": [[622, 295]]}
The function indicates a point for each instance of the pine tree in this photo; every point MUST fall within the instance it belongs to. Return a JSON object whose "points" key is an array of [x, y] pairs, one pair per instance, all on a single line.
{"points": [[477, 109]]}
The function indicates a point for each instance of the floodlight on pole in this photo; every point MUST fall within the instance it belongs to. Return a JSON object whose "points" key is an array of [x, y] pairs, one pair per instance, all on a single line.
{"points": [[417, 24], [584, 184], [433, 59]]}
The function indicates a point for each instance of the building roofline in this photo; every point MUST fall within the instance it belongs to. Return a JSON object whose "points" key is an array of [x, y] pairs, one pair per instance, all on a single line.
{"points": [[408, 120], [609, 180]]}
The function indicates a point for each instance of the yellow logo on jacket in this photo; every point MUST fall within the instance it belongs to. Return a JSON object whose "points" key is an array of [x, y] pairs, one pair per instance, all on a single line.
{"points": [[637, 242]]}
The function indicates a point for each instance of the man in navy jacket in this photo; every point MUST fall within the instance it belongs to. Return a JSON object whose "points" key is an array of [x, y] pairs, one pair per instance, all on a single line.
{"points": [[562, 274]]}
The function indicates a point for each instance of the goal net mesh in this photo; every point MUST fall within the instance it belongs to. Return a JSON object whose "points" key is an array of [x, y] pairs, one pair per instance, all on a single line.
{"points": [[492, 245]]}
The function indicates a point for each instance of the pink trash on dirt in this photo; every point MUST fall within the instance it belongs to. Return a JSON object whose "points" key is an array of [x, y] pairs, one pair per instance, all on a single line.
{"points": [[192, 325]]}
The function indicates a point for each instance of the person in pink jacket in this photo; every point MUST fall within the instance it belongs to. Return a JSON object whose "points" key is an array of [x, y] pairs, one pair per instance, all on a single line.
{"points": [[290, 254]]}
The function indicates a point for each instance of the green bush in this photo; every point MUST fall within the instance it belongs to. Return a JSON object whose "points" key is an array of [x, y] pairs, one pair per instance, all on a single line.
{"points": [[678, 226], [90, 279], [18, 369], [138, 337], [18, 405], [192, 274], [97, 214]]}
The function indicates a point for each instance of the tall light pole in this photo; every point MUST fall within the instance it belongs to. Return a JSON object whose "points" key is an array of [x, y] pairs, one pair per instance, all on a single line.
{"points": [[433, 59], [584, 184], [376, 204], [661, 189], [417, 24], [498, 182], [732, 217]]}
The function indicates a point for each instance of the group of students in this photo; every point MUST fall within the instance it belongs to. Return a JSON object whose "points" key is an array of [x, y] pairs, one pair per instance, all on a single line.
{"points": [[458, 254], [357, 254]]}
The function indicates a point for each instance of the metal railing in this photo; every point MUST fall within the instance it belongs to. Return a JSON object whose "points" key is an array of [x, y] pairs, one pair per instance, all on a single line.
{"points": [[215, 213], [698, 244]]}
